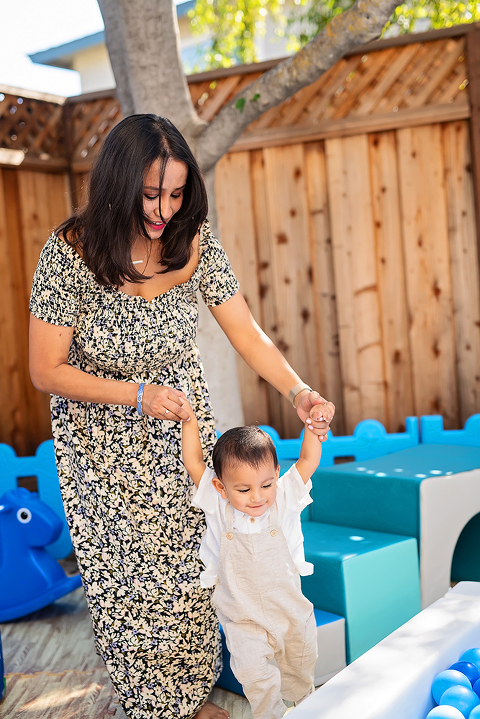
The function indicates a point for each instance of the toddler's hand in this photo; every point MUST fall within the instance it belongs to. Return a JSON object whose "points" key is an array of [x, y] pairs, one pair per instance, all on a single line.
{"points": [[319, 419], [322, 412]]}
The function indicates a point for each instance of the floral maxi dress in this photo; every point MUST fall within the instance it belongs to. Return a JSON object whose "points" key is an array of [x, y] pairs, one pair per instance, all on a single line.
{"points": [[125, 490]]}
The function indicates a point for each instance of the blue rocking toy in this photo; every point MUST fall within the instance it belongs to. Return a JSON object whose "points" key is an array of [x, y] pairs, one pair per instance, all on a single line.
{"points": [[30, 577]]}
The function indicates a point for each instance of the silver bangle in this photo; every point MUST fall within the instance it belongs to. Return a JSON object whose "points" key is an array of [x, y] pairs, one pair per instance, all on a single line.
{"points": [[296, 390], [140, 398]]}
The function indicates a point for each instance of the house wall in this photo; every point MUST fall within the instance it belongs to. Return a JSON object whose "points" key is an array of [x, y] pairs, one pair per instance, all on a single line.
{"points": [[94, 68]]}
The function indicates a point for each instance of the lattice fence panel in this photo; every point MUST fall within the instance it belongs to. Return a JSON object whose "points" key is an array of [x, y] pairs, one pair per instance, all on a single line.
{"points": [[32, 126]]}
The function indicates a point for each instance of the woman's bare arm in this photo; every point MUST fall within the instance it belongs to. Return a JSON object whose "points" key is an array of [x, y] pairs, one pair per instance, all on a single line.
{"points": [[51, 373]]}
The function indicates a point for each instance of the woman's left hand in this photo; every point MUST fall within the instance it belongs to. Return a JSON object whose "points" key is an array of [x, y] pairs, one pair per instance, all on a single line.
{"points": [[314, 406]]}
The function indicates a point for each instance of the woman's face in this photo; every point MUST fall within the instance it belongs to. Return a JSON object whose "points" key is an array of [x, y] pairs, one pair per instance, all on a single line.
{"points": [[170, 201]]}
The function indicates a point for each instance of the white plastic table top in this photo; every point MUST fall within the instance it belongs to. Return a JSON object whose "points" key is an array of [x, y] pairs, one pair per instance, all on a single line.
{"points": [[394, 678]]}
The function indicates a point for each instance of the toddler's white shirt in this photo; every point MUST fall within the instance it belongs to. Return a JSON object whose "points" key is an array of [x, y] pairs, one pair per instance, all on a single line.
{"points": [[293, 495]]}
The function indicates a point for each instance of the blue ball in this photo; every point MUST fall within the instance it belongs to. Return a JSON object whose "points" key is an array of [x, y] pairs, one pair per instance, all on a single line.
{"points": [[445, 680], [467, 668], [476, 688], [445, 712], [461, 698], [471, 655], [475, 713]]}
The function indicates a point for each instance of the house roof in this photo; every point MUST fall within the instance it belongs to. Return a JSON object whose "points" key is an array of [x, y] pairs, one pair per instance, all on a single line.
{"points": [[62, 55]]}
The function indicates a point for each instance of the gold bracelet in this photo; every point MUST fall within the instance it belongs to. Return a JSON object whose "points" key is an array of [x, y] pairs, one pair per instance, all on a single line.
{"points": [[296, 390]]}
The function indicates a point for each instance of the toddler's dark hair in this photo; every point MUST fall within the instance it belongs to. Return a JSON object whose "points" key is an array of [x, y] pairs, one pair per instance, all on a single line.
{"points": [[243, 445]]}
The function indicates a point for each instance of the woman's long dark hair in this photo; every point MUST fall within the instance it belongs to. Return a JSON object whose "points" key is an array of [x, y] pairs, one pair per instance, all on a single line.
{"points": [[113, 217]]}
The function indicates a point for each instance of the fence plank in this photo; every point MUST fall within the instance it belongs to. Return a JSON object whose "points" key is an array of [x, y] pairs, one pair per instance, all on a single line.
{"points": [[427, 261], [473, 67], [391, 277], [43, 201], [12, 417], [464, 265], [356, 279], [266, 275], [289, 237], [24, 441], [324, 296], [235, 214]]}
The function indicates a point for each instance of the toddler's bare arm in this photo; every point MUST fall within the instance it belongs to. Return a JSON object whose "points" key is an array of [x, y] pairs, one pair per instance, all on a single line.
{"points": [[310, 452], [192, 453]]}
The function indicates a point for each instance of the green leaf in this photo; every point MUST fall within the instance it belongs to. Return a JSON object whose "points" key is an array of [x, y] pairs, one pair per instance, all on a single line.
{"points": [[255, 97], [240, 104]]}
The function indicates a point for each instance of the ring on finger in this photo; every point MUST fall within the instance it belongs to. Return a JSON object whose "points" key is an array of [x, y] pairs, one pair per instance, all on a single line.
{"points": [[165, 413]]}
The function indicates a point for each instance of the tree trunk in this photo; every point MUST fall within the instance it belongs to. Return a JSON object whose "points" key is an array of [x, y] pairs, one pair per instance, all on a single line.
{"points": [[218, 355]]}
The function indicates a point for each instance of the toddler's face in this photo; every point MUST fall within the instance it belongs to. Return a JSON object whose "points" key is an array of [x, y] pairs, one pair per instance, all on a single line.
{"points": [[251, 490]]}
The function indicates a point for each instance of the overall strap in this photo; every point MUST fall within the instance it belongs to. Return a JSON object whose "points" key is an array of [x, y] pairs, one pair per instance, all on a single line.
{"points": [[229, 515], [273, 516]]}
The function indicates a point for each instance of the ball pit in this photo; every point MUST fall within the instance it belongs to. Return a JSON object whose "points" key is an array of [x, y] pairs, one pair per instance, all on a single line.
{"points": [[452, 689], [394, 678]]}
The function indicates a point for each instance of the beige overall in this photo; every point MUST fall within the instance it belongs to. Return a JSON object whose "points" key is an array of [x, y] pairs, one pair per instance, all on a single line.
{"points": [[265, 616]]}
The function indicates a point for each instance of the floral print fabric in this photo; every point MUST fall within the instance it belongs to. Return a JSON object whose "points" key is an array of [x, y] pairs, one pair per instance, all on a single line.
{"points": [[126, 494]]}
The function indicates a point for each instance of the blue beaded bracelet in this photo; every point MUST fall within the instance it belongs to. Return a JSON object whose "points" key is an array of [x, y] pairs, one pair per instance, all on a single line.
{"points": [[140, 398]]}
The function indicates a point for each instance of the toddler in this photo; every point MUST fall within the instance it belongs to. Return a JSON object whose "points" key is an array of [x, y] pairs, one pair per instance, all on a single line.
{"points": [[253, 554]]}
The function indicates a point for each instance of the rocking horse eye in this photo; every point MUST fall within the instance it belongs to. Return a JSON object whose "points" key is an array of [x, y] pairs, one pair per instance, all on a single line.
{"points": [[24, 515]]}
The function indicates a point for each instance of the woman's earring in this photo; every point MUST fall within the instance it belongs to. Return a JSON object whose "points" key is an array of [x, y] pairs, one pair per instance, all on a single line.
{"points": [[109, 206]]}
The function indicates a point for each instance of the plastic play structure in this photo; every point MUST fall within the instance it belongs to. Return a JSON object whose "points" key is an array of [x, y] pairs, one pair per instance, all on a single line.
{"points": [[383, 530], [394, 678], [386, 531], [30, 577]]}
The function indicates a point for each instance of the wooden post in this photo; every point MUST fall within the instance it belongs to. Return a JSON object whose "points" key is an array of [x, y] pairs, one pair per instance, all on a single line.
{"points": [[473, 69]]}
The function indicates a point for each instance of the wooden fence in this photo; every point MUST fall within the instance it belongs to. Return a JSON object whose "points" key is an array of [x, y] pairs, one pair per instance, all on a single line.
{"points": [[348, 213]]}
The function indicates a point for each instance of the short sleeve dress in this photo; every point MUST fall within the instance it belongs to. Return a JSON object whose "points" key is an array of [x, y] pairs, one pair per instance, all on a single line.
{"points": [[126, 493]]}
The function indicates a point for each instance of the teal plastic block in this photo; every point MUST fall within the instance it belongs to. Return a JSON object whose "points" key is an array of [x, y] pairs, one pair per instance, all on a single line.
{"points": [[383, 494], [432, 431], [43, 467], [370, 439], [370, 578]]}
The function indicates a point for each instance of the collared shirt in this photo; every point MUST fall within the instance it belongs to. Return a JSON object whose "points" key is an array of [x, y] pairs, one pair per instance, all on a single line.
{"points": [[293, 495]]}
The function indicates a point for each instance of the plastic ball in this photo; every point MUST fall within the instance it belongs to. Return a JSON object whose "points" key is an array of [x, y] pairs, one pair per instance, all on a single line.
{"points": [[471, 655], [461, 698], [445, 680], [475, 713], [476, 688], [467, 668], [445, 712]]}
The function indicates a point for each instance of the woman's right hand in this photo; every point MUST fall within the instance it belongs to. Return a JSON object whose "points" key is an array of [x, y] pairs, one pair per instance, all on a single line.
{"points": [[164, 402]]}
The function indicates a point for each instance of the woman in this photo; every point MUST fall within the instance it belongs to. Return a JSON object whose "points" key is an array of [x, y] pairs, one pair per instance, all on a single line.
{"points": [[112, 339]]}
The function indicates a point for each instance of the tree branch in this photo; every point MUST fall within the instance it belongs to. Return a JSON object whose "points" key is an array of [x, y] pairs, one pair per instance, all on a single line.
{"points": [[362, 23], [143, 43]]}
